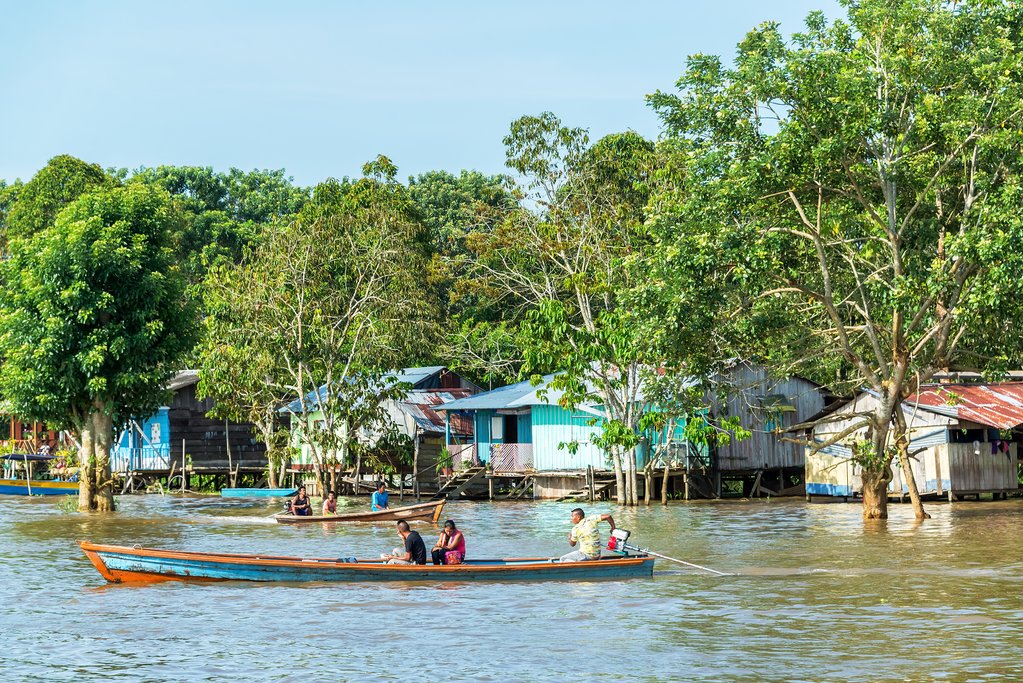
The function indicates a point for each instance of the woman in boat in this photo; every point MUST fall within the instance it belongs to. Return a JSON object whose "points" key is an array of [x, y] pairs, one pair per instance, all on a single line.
{"points": [[450, 545], [329, 504], [301, 504]]}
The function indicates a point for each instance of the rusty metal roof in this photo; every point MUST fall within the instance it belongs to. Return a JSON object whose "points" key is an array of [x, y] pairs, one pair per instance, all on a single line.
{"points": [[420, 406], [993, 405]]}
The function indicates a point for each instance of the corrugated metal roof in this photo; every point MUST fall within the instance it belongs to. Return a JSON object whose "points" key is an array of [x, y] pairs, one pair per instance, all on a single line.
{"points": [[512, 396], [411, 376], [182, 379], [994, 405], [420, 406]]}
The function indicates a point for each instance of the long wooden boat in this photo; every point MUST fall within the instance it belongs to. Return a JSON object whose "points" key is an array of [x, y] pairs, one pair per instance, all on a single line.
{"points": [[123, 564], [420, 511], [39, 487], [257, 493]]}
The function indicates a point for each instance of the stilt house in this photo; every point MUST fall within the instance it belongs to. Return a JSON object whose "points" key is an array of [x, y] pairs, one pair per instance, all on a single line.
{"points": [[964, 439]]}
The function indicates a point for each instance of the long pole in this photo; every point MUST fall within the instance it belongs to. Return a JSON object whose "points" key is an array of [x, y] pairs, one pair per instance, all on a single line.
{"points": [[28, 474], [674, 559]]}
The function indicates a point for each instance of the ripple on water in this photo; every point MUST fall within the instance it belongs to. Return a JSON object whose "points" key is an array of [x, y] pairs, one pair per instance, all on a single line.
{"points": [[817, 596]]}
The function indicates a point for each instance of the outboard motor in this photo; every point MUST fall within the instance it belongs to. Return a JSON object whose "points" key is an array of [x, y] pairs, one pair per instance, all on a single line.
{"points": [[617, 540]]}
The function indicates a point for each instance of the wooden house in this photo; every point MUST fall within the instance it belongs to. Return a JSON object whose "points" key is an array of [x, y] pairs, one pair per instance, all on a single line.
{"points": [[413, 415], [769, 460], [965, 438], [26, 436], [209, 445], [520, 428]]}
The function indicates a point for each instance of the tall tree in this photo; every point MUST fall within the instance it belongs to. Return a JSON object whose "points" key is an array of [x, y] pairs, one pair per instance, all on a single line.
{"points": [[479, 337], [325, 306], [857, 189], [560, 260], [93, 321]]}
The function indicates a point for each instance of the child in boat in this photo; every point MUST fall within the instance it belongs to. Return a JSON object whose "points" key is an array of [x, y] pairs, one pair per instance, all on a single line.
{"points": [[329, 504], [450, 547]]}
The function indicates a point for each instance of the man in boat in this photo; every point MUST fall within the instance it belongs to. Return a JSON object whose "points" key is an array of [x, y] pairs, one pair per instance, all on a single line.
{"points": [[379, 499], [329, 504], [415, 549], [587, 535], [300, 505]]}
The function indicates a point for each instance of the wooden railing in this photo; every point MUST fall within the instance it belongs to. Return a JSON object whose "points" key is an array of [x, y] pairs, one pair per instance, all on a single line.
{"points": [[145, 458]]}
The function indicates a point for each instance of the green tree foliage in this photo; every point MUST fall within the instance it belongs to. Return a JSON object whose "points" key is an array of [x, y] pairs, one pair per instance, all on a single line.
{"points": [[93, 321], [857, 191], [560, 260], [478, 341], [321, 310], [37, 202], [223, 213]]}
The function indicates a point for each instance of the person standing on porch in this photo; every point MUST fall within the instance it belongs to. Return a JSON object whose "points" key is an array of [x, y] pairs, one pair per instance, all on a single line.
{"points": [[587, 535], [379, 499]]}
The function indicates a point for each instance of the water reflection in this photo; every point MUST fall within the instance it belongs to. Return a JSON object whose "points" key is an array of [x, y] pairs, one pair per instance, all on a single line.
{"points": [[818, 596]]}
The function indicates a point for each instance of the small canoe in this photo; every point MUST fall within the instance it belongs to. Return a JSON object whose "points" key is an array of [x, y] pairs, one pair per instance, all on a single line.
{"points": [[123, 564], [257, 493], [419, 512], [40, 487]]}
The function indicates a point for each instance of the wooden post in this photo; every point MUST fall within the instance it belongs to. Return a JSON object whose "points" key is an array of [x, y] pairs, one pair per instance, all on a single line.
{"points": [[227, 445], [490, 487], [28, 473], [664, 482], [401, 484], [415, 462], [182, 465]]}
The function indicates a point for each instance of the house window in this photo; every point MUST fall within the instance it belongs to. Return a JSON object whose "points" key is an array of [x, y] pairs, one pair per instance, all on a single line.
{"points": [[497, 428]]}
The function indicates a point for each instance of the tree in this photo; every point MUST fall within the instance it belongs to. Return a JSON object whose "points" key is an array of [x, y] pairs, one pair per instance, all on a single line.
{"points": [[37, 202], [560, 261], [479, 337], [856, 190], [93, 321], [323, 308], [223, 213]]}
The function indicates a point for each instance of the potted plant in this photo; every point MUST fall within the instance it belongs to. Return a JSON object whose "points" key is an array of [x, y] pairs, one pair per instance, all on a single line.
{"points": [[444, 461]]}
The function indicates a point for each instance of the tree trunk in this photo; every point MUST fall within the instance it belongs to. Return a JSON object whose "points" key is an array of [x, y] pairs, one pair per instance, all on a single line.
{"points": [[902, 448], [664, 483], [648, 481], [875, 492], [632, 482], [104, 485], [86, 465], [616, 460]]}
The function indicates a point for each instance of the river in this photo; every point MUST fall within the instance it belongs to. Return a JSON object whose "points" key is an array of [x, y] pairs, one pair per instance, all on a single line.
{"points": [[817, 596]]}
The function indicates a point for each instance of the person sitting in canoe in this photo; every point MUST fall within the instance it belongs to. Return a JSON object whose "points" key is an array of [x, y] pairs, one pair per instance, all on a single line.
{"points": [[379, 499], [301, 505], [587, 535], [415, 549], [450, 547], [329, 504]]}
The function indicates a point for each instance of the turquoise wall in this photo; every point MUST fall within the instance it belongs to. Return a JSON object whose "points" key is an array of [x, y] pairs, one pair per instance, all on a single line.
{"points": [[553, 425]]}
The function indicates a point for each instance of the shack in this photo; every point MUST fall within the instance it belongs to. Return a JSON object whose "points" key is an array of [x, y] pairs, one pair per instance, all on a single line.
{"points": [[413, 417], [964, 437], [769, 461], [521, 431], [182, 434]]}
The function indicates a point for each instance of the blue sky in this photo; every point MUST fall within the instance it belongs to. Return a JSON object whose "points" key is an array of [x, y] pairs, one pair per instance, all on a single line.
{"points": [[318, 88]]}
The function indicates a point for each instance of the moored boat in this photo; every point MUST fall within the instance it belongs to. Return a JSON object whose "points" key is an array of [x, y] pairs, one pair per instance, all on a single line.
{"points": [[429, 511], [123, 564], [35, 487], [257, 493]]}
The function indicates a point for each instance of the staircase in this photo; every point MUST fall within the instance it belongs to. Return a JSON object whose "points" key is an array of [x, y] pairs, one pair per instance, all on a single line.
{"points": [[519, 489], [584, 493], [458, 484]]}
